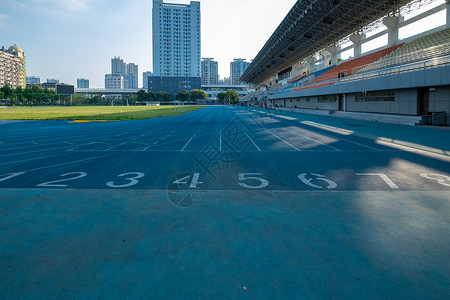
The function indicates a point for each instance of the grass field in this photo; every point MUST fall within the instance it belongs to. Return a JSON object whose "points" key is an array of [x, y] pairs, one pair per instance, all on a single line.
{"points": [[107, 113]]}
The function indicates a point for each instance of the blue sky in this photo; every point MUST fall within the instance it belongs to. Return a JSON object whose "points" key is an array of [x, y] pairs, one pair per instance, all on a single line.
{"points": [[70, 39]]}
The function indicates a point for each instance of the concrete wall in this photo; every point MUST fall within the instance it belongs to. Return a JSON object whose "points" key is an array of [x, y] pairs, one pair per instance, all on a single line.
{"points": [[405, 104], [440, 100]]}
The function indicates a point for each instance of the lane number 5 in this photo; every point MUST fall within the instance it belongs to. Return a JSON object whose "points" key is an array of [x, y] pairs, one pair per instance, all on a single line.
{"points": [[252, 177]]}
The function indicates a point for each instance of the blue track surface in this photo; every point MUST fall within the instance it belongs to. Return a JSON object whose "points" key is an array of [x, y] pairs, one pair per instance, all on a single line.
{"points": [[224, 202]]}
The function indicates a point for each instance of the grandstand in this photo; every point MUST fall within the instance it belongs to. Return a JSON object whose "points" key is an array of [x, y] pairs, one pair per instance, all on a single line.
{"points": [[401, 81]]}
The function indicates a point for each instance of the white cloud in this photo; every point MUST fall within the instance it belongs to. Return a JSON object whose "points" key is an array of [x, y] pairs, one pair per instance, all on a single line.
{"points": [[3, 18], [75, 4], [71, 5]]}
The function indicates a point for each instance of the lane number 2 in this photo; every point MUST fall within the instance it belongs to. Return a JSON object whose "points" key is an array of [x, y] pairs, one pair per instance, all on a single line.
{"points": [[55, 183]]}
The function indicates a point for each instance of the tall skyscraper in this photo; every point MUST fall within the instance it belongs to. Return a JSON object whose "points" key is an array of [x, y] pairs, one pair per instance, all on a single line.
{"points": [[118, 66], [210, 71], [176, 39], [145, 77], [82, 83], [237, 68], [133, 70], [129, 72], [12, 67]]}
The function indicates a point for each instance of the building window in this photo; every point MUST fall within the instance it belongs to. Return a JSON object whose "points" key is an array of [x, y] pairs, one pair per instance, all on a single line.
{"points": [[377, 96]]}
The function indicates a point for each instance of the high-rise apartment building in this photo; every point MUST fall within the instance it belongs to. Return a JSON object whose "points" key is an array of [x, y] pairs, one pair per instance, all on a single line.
{"points": [[129, 72], [176, 39], [210, 71], [82, 83], [118, 66], [132, 72], [12, 67], [237, 68], [145, 77]]}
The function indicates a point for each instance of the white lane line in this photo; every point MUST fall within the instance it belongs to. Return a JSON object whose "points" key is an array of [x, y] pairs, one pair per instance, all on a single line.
{"points": [[188, 143], [307, 137], [282, 140], [71, 162], [43, 150], [231, 151], [355, 143], [36, 158], [251, 140]]}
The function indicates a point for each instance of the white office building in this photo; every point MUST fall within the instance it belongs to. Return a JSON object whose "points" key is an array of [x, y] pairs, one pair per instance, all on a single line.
{"points": [[113, 81], [210, 71], [237, 68], [176, 39]]}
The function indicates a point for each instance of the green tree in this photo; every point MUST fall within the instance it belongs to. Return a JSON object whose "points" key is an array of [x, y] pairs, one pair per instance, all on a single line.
{"points": [[164, 96], [221, 96], [198, 95], [142, 96], [37, 89], [151, 96], [232, 97], [8, 92], [183, 95], [2, 95]]}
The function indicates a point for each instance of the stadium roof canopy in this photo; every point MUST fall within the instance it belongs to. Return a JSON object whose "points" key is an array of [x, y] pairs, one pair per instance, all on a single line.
{"points": [[312, 25]]}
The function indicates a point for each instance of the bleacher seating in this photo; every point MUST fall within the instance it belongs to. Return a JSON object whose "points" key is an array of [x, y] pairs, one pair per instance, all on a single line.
{"points": [[430, 46], [297, 78], [313, 86], [350, 67]]}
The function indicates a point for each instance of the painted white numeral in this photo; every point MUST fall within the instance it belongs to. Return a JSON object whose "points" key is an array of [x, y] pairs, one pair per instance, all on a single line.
{"points": [[252, 176], [185, 180], [11, 175], [131, 177], [441, 179], [308, 181], [386, 179], [52, 183]]}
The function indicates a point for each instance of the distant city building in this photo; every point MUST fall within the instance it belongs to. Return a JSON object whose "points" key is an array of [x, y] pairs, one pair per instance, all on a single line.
{"points": [[52, 80], [210, 71], [145, 77], [118, 66], [176, 39], [237, 68], [129, 72], [133, 70], [114, 81], [213, 90], [225, 81], [49, 85], [12, 67], [82, 83], [173, 84], [30, 80]]}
